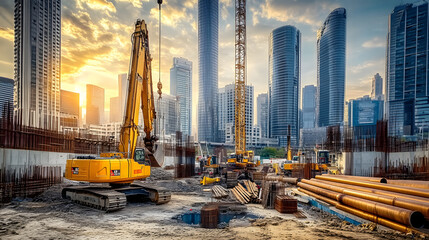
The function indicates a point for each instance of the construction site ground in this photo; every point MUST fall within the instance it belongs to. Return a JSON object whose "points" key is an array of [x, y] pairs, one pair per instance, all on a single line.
{"points": [[48, 216]]}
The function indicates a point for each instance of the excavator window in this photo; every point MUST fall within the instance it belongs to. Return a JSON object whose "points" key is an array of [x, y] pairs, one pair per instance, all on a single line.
{"points": [[139, 155]]}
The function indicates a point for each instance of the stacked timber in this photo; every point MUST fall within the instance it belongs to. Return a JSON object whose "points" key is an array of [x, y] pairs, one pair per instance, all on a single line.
{"points": [[219, 192], [286, 204], [400, 207], [246, 192]]}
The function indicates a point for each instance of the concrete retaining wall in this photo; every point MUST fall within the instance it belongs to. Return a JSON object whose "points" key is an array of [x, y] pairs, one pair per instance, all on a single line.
{"points": [[17, 158]]}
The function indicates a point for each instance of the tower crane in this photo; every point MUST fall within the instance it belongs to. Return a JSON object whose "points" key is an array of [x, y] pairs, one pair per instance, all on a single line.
{"points": [[241, 158]]}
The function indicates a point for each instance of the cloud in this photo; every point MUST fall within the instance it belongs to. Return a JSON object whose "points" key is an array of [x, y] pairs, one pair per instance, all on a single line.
{"points": [[77, 25], [294, 11], [135, 3], [367, 65], [99, 5], [172, 14], [7, 34], [73, 60], [225, 4], [375, 43]]}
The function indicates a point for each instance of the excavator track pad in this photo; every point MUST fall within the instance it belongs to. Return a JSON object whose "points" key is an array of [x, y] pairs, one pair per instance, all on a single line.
{"points": [[158, 195], [110, 199], [104, 199]]}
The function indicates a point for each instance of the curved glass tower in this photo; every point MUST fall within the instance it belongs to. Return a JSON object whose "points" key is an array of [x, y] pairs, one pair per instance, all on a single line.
{"points": [[208, 21], [331, 69], [284, 59]]}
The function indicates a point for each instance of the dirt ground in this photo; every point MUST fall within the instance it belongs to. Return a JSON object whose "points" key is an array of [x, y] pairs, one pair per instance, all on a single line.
{"points": [[51, 217]]}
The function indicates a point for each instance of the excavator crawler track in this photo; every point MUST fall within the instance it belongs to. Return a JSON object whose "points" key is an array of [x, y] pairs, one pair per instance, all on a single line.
{"points": [[158, 195], [104, 199]]}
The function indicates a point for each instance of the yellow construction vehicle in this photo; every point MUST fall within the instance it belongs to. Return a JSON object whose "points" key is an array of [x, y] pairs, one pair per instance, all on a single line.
{"points": [[208, 180], [121, 169]]}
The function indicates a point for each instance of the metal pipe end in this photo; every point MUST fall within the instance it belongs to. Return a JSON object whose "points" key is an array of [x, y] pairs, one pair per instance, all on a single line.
{"points": [[383, 180], [417, 219]]}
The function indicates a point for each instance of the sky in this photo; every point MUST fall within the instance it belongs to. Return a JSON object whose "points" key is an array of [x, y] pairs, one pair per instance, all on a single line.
{"points": [[96, 40]]}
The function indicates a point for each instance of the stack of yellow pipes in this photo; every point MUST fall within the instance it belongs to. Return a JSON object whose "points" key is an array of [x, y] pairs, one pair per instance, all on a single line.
{"points": [[402, 205]]}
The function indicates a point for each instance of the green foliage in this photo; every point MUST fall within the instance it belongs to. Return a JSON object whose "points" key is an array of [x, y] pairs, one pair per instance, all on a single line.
{"points": [[271, 152]]}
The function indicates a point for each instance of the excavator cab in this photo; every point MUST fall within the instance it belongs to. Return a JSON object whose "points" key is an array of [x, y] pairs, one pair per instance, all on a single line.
{"points": [[140, 156]]}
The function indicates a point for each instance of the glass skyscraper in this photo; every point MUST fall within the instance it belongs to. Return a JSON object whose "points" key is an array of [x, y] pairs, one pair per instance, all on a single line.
{"points": [[181, 86], [6, 94], [263, 112], [377, 87], [37, 51], [331, 69], [284, 66], [226, 111], [407, 96], [309, 106], [208, 22]]}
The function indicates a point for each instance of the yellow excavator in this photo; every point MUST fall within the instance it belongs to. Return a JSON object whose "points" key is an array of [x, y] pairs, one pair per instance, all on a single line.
{"points": [[121, 171]]}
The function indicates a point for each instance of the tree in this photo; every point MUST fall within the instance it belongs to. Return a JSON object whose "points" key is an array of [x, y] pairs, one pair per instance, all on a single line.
{"points": [[271, 152]]}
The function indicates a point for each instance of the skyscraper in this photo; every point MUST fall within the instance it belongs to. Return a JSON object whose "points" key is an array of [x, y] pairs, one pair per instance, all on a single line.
{"points": [[263, 111], [94, 104], [6, 94], [407, 89], [168, 115], [69, 110], [377, 87], [122, 93], [115, 110], [226, 114], [37, 51], [284, 66], [181, 86], [362, 115], [309, 106], [364, 111], [331, 69], [208, 22]]}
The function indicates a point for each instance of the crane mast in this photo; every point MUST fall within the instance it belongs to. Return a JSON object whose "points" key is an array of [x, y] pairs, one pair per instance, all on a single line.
{"points": [[139, 92], [240, 77]]}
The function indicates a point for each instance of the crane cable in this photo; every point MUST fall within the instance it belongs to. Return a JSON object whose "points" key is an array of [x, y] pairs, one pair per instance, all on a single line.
{"points": [[158, 123], [159, 52]]}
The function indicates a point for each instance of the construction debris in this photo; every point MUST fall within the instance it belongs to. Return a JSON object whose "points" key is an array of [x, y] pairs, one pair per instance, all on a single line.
{"points": [[270, 190], [299, 214]]}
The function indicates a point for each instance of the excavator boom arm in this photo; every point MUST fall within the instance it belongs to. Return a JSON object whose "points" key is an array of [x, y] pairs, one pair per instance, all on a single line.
{"points": [[140, 92]]}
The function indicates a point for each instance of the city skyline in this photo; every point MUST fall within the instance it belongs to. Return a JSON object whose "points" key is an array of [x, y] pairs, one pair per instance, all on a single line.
{"points": [[107, 56]]}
